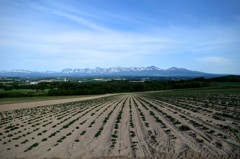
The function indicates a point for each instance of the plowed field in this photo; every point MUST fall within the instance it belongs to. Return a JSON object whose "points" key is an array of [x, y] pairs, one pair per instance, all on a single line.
{"points": [[130, 125]]}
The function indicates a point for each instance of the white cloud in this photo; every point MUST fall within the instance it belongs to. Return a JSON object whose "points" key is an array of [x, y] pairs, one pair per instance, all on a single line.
{"points": [[80, 20], [214, 60]]}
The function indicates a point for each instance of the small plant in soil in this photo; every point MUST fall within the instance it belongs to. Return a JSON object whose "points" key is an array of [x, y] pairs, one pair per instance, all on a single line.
{"points": [[184, 128], [44, 139]]}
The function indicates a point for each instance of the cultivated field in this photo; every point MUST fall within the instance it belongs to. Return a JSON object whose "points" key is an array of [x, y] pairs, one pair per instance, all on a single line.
{"points": [[173, 124]]}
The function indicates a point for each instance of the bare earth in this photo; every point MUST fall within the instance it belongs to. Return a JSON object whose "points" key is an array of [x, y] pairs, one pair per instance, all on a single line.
{"points": [[8, 107], [111, 127]]}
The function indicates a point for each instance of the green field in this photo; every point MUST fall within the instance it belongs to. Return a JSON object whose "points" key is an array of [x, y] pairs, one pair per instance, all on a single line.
{"points": [[225, 84], [24, 92]]}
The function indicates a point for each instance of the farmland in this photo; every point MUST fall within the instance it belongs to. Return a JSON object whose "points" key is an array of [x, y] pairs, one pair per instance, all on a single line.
{"points": [[196, 123]]}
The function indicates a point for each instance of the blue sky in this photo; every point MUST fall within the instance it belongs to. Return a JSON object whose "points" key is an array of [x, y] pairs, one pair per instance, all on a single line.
{"points": [[42, 35]]}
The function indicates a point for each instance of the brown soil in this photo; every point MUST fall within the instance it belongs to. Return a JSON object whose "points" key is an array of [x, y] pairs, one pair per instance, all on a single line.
{"points": [[112, 127]]}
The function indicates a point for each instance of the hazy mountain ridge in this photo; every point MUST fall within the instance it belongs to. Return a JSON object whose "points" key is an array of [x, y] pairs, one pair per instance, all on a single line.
{"points": [[109, 70], [119, 71]]}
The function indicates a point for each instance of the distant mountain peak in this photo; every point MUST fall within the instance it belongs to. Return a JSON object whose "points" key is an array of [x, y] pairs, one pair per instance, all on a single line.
{"points": [[67, 70], [152, 68], [177, 69], [111, 71], [22, 71]]}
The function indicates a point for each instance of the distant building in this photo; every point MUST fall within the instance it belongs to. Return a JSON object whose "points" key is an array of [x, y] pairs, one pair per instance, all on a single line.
{"points": [[34, 82], [49, 81], [98, 79]]}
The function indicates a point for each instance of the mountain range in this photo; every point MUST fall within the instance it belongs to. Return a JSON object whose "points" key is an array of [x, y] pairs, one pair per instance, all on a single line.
{"points": [[111, 71]]}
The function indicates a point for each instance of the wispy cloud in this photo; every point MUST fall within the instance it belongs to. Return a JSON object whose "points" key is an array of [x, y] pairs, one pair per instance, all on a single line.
{"points": [[80, 20], [214, 60]]}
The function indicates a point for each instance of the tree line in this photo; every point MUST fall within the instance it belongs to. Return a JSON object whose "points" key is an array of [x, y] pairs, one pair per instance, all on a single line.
{"points": [[91, 88]]}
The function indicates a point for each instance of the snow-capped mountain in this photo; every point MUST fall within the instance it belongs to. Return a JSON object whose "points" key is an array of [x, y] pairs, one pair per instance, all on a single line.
{"points": [[21, 71], [111, 71]]}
